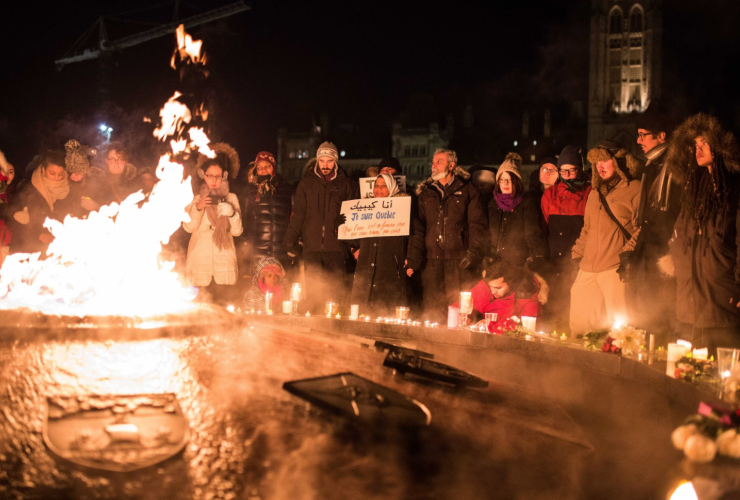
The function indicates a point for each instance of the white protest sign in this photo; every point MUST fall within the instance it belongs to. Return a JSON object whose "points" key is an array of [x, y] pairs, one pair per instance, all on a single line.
{"points": [[368, 183], [377, 217]]}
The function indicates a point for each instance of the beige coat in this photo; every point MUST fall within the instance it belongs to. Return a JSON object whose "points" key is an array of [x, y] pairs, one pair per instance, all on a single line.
{"points": [[204, 259], [601, 241]]}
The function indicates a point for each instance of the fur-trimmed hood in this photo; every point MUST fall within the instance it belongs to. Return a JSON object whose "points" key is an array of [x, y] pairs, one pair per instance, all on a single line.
{"points": [[682, 146], [626, 166], [266, 262], [227, 157], [531, 284], [458, 171]]}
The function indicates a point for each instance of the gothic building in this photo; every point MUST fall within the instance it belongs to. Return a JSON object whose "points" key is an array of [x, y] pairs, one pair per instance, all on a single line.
{"points": [[625, 65]]}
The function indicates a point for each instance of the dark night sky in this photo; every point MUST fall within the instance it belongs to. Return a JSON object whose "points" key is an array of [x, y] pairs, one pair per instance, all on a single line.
{"points": [[282, 63]]}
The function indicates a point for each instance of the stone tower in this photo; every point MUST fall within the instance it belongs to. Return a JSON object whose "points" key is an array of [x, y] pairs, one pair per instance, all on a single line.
{"points": [[624, 67]]}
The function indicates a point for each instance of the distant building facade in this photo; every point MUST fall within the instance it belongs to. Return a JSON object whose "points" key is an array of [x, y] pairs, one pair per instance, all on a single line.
{"points": [[415, 147], [625, 65]]}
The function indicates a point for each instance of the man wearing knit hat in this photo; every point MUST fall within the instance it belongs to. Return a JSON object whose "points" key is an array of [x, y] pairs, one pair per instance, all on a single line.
{"points": [[598, 296], [317, 203], [660, 205], [450, 233]]}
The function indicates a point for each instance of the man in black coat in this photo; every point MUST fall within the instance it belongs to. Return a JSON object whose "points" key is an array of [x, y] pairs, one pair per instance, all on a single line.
{"points": [[450, 234], [317, 203], [660, 204], [267, 202]]}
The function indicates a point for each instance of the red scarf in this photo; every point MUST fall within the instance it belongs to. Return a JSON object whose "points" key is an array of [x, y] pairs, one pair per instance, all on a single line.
{"points": [[276, 291]]}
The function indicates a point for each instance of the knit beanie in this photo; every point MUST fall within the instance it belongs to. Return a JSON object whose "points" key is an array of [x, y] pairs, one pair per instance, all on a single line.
{"points": [[75, 161], [391, 162], [512, 164], [548, 159], [328, 149], [570, 155], [266, 156]]}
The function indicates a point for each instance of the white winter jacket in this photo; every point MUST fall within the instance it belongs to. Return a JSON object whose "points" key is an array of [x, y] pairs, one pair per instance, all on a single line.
{"points": [[205, 260]]}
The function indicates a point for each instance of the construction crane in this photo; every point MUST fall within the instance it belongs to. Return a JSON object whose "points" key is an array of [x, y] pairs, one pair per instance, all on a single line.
{"points": [[105, 48]]}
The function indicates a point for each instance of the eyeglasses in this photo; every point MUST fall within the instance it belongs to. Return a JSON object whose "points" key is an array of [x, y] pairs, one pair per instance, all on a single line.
{"points": [[642, 135], [568, 171], [213, 178], [115, 160], [504, 181], [549, 170]]}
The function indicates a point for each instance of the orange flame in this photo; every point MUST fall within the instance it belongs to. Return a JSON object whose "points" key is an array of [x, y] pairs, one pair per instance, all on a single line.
{"points": [[187, 47]]}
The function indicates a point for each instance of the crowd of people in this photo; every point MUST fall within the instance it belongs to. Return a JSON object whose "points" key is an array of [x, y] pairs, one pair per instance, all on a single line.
{"points": [[654, 242]]}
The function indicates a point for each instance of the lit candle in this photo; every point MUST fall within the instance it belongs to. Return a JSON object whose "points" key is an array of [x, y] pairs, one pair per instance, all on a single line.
{"points": [[308, 314], [331, 308], [338, 316], [268, 302], [367, 318], [466, 302], [402, 313], [686, 344], [529, 322], [230, 308], [453, 317], [675, 352], [295, 292], [287, 306], [701, 354], [652, 343], [354, 312]]}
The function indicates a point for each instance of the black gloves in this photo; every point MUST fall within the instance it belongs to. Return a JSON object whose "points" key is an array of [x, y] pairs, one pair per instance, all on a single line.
{"points": [[471, 259], [338, 221], [625, 269]]}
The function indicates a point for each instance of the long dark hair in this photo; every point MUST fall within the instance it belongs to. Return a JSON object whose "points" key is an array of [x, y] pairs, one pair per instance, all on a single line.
{"points": [[707, 193], [517, 188]]}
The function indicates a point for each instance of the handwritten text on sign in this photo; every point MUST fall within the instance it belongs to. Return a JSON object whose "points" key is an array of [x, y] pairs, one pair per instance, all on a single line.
{"points": [[372, 217]]}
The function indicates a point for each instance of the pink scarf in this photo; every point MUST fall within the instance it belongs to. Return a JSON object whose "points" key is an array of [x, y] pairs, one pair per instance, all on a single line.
{"points": [[276, 291]]}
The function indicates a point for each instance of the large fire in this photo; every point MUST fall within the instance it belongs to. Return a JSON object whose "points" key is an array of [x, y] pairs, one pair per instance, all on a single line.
{"points": [[109, 263]]}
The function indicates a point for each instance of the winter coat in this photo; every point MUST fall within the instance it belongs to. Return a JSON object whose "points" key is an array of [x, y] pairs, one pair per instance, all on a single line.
{"points": [[516, 235], [564, 212], [601, 241], [26, 236], [121, 186], [254, 299], [707, 259], [380, 275], [451, 222], [315, 206], [526, 300], [657, 226], [205, 260], [93, 185], [266, 221]]}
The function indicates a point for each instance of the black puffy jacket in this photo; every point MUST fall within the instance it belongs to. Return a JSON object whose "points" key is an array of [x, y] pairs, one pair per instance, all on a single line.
{"points": [[449, 226], [315, 206], [266, 220]]}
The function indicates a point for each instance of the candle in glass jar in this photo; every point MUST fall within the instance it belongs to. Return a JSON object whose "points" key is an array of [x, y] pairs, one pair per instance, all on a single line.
{"points": [[268, 303], [651, 348], [675, 352], [529, 322], [287, 306], [402, 313], [354, 313], [331, 308], [295, 292], [453, 317], [466, 303], [701, 354]]}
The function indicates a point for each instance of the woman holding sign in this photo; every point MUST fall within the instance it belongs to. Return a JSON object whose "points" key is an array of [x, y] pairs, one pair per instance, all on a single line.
{"points": [[380, 277]]}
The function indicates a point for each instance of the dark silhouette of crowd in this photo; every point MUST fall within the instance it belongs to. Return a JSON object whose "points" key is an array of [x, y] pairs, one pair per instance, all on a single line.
{"points": [[654, 242]]}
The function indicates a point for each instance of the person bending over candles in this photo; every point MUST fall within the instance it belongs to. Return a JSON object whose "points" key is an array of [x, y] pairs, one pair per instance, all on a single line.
{"points": [[509, 290], [266, 278]]}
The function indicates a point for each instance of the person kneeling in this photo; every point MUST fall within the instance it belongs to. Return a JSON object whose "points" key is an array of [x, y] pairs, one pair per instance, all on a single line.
{"points": [[508, 291], [266, 278]]}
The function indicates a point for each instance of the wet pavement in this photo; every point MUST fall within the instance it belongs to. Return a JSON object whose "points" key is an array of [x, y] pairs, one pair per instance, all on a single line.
{"points": [[250, 439]]}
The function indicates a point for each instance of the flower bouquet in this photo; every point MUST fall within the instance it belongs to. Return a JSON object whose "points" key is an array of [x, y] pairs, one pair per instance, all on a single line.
{"points": [[511, 327], [690, 369], [712, 430]]}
